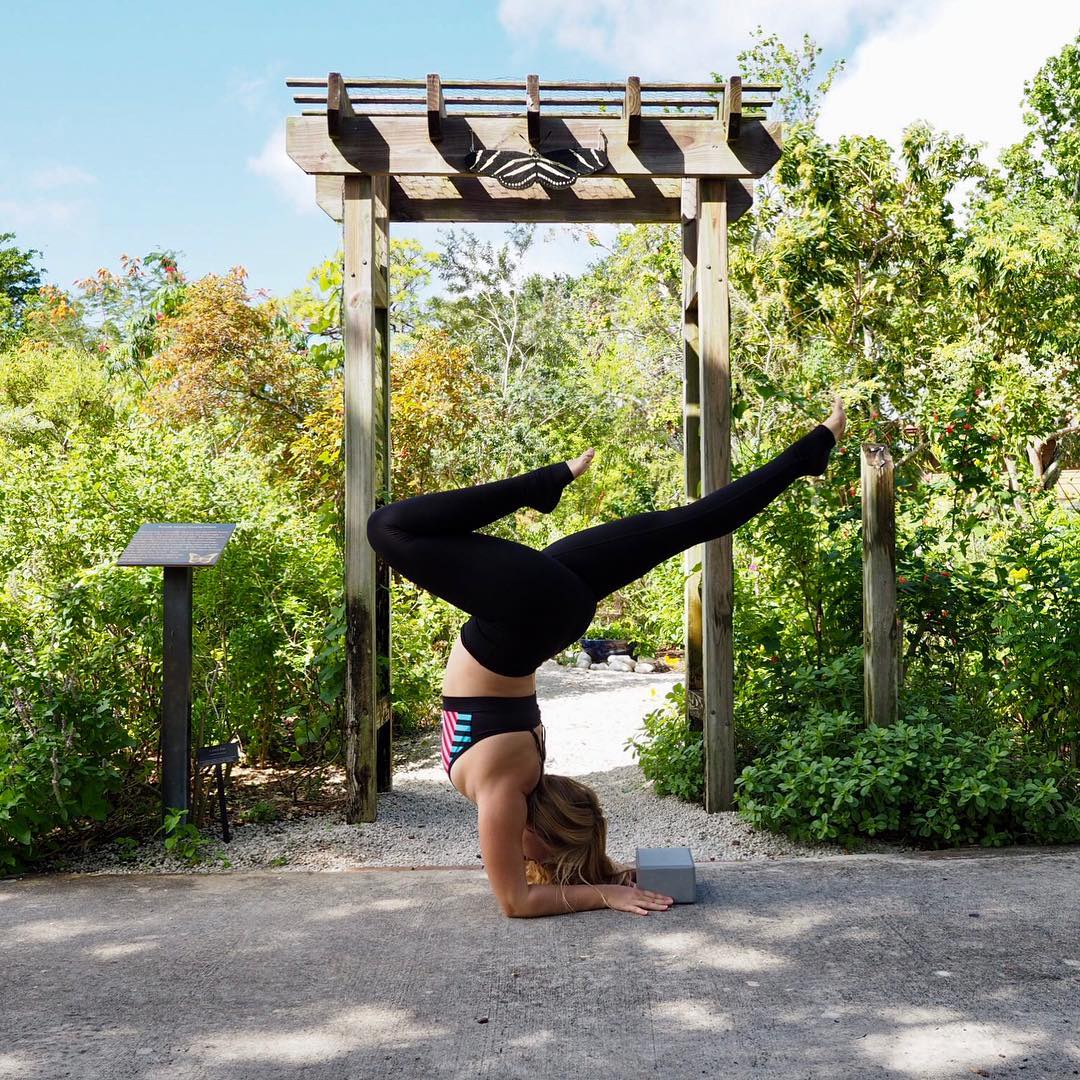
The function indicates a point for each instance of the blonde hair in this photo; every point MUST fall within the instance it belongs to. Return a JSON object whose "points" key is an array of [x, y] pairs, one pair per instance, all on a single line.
{"points": [[566, 815]]}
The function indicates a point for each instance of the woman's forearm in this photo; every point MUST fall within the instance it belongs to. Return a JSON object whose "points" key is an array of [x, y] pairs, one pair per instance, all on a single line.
{"points": [[560, 900]]}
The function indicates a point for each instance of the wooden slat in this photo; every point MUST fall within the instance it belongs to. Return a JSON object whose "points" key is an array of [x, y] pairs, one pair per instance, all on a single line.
{"points": [[631, 110], [692, 675], [717, 578], [597, 115], [532, 107], [358, 331], [646, 102], [733, 107], [436, 108], [338, 107], [356, 81], [673, 147]]}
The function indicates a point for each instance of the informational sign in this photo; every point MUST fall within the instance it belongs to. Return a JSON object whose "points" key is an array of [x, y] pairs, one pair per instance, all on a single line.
{"points": [[176, 545], [178, 549], [218, 755]]}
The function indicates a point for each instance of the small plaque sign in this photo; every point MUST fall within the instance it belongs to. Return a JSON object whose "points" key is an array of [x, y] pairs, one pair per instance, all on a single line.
{"points": [[176, 545], [218, 755]]}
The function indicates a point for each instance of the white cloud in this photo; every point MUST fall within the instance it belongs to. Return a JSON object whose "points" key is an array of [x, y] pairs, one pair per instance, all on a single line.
{"points": [[681, 38], [57, 176], [41, 213], [291, 181], [959, 64]]}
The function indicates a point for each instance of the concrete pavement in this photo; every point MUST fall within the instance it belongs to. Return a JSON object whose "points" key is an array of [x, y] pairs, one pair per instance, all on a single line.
{"points": [[933, 965]]}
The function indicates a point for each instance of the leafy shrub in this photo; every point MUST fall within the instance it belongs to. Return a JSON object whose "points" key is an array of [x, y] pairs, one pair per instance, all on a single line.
{"points": [[260, 811], [80, 638], [671, 755], [834, 779]]}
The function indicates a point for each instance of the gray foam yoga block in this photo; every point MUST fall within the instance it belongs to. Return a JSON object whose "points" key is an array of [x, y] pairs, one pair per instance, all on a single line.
{"points": [[667, 870]]}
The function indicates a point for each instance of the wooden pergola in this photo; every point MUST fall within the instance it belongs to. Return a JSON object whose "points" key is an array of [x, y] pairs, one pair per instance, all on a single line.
{"points": [[384, 150]]}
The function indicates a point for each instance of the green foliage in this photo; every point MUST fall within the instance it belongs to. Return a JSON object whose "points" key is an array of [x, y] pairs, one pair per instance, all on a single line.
{"points": [[671, 755], [770, 59], [80, 638], [46, 391], [918, 780], [126, 848], [184, 840], [1053, 117], [19, 280], [423, 632], [260, 811]]}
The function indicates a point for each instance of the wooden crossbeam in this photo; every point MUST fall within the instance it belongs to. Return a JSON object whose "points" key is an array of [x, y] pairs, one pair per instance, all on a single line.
{"points": [[733, 107], [631, 110], [338, 106], [668, 146], [532, 108], [436, 108], [591, 200]]}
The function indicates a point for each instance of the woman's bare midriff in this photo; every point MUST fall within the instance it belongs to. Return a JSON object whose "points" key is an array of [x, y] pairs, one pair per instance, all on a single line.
{"points": [[466, 677], [509, 754]]}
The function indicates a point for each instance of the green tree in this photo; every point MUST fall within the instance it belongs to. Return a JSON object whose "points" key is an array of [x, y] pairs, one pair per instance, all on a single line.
{"points": [[19, 280]]}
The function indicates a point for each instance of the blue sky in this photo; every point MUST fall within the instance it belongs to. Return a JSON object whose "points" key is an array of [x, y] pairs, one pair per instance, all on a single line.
{"points": [[130, 126]]}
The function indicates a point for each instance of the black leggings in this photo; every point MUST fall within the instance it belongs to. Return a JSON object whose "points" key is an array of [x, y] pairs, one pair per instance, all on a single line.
{"points": [[527, 604]]}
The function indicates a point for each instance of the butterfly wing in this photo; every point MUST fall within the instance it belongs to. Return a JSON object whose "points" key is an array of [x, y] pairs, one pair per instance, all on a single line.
{"points": [[553, 174], [510, 168], [581, 161]]}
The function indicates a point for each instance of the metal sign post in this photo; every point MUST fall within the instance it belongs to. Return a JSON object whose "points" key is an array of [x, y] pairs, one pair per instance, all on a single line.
{"points": [[178, 549]]}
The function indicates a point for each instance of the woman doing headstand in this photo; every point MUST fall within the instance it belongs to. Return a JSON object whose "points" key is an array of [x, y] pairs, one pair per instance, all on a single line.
{"points": [[525, 605]]}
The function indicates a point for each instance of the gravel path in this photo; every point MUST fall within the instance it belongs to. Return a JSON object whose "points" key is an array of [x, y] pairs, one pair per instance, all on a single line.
{"points": [[588, 716]]}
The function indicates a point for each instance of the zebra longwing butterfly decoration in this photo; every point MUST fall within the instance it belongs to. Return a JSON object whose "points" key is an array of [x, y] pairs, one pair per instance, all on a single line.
{"points": [[556, 169]]}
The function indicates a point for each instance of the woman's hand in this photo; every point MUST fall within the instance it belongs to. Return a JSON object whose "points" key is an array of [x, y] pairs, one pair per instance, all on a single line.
{"points": [[636, 901]]}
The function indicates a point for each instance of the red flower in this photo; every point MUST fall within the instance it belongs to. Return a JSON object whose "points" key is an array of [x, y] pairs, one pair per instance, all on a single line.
{"points": [[903, 579], [160, 315], [967, 427]]}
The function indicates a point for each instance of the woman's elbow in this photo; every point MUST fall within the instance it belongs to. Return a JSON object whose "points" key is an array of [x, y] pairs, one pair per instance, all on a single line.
{"points": [[515, 907]]}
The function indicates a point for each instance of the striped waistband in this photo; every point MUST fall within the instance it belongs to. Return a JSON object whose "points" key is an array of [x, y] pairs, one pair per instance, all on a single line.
{"points": [[504, 706]]}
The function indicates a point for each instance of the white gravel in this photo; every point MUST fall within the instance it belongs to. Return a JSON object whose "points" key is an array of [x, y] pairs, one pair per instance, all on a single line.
{"points": [[588, 716]]}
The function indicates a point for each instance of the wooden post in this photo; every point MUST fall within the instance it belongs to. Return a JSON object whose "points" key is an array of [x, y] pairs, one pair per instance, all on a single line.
{"points": [[436, 108], [732, 115], [631, 110], [383, 713], [717, 577], [532, 108], [691, 455], [359, 333], [880, 629]]}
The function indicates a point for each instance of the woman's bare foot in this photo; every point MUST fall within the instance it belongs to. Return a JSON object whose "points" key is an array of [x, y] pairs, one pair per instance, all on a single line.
{"points": [[580, 464], [837, 419]]}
